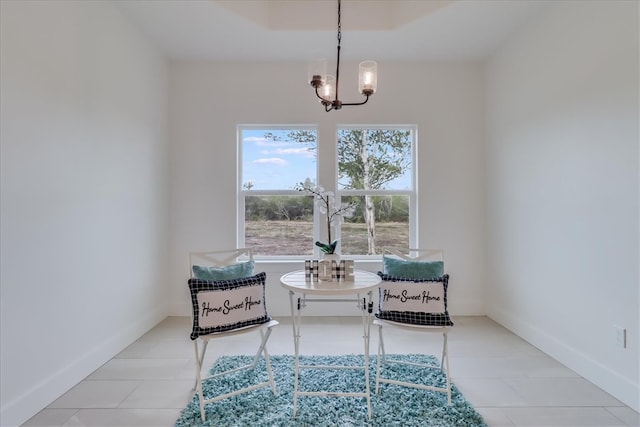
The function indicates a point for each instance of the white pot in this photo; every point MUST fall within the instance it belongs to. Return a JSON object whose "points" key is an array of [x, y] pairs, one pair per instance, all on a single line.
{"points": [[331, 257]]}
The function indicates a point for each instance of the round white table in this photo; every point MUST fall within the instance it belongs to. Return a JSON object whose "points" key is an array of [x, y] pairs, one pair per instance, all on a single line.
{"points": [[360, 291]]}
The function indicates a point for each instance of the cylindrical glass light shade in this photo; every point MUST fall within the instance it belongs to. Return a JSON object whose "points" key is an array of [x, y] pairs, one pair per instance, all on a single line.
{"points": [[328, 91], [368, 77], [317, 73]]}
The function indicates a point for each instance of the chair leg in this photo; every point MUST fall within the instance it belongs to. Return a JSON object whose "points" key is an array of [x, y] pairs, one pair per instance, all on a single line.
{"points": [[199, 359], [200, 356], [267, 360], [381, 342], [264, 337], [379, 358], [444, 367], [445, 361], [198, 386], [444, 346]]}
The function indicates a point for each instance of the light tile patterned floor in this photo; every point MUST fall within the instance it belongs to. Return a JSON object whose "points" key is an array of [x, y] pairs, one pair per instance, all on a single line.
{"points": [[508, 380]]}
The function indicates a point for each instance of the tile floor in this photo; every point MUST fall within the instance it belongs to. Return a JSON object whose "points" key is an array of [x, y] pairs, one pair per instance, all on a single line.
{"points": [[509, 381]]}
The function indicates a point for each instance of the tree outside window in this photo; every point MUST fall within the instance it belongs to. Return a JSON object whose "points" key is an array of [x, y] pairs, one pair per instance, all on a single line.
{"points": [[375, 174]]}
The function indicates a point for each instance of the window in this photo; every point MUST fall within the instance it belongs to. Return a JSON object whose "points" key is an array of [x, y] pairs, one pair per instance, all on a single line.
{"points": [[278, 219], [375, 174]]}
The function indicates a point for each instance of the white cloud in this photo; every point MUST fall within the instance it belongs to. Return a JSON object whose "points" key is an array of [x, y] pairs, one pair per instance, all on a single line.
{"points": [[271, 161], [253, 139], [263, 142], [298, 151]]}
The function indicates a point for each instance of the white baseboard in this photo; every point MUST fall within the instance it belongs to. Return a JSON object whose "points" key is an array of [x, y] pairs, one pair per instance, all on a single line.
{"points": [[602, 376], [50, 388]]}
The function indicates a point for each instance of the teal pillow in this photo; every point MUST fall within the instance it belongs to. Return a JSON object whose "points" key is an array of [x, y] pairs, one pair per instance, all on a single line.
{"points": [[412, 269], [233, 271]]}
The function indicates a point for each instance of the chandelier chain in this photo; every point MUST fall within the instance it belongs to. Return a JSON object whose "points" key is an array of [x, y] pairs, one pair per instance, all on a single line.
{"points": [[330, 97], [338, 58], [339, 24]]}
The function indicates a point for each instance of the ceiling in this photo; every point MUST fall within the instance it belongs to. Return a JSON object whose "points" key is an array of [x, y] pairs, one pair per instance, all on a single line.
{"points": [[417, 30]]}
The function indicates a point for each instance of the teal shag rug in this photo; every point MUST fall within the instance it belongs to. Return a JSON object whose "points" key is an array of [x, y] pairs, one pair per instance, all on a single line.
{"points": [[394, 406]]}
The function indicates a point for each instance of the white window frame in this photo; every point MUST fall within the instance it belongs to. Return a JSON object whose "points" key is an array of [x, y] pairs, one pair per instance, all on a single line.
{"points": [[411, 193], [242, 193]]}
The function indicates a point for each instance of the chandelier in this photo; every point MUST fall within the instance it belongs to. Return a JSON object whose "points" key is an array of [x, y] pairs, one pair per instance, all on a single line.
{"points": [[326, 86]]}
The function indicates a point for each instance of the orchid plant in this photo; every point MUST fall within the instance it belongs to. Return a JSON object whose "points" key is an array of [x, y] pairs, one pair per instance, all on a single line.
{"points": [[326, 203]]}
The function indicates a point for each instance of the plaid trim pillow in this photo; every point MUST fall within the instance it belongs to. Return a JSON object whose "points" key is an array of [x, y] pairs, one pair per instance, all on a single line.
{"points": [[414, 301], [224, 305]]}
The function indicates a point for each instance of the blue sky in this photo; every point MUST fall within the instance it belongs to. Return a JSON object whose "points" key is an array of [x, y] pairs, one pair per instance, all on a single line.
{"points": [[275, 164]]}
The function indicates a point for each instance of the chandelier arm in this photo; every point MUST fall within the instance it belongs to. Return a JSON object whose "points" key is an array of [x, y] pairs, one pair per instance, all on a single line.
{"points": [[318, 95], [356, 103]]}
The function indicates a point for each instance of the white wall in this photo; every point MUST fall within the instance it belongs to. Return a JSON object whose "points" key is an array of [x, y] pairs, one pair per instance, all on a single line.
{"points": [[562, 186], [445, 101], [84, 179]]}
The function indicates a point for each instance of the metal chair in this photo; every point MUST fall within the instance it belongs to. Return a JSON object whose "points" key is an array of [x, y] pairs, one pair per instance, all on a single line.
{"points": [[217, 261], [403, 321]]}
